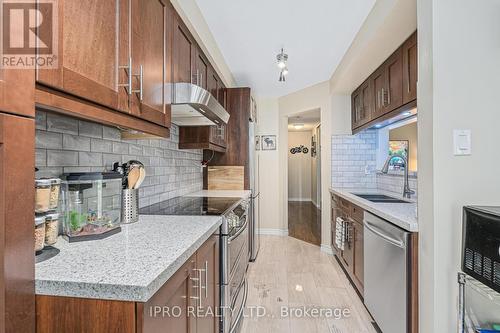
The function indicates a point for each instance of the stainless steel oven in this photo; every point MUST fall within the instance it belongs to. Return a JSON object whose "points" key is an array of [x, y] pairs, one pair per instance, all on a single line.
{"points": [[235, 257]]}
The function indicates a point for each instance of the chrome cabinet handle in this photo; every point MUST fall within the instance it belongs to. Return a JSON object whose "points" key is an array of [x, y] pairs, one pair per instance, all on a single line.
{"points": [[378, 99], [389, 96], [206, 278], [198, 286], [382, 94], [141, 83], [128, 70]]}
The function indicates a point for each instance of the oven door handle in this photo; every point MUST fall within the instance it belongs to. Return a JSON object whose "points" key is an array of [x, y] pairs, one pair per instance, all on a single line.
{"points": [[242, 309], [239, 231]]}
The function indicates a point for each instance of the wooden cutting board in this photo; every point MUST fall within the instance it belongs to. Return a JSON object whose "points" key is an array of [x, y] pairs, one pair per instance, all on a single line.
{"points": [[226, 177]]}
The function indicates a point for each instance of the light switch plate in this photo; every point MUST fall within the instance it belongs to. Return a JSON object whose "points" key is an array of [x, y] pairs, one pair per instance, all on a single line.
{"points": [[462, 142]]}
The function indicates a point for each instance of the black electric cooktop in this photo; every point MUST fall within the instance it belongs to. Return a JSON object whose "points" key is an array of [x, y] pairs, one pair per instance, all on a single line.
{"points": [[187, 205]]}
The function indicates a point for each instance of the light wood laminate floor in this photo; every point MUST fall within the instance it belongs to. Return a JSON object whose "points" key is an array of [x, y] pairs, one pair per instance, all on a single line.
{"points": [[291, 273]]}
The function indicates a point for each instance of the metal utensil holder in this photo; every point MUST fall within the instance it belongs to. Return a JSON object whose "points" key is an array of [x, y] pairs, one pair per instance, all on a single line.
{"points": [[130, 205]]}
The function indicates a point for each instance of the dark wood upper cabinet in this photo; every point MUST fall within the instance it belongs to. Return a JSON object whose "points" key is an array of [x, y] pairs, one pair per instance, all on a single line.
{"points": [[17, 92], [362, 104], [378, 79], [184, 49], [149, 39], [392, 94], [410, 69], [201, 70], [389, 88], [213, 83], [84, 28]]}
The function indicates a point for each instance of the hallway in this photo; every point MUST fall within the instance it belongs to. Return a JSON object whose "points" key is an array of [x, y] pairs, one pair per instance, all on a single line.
{"points": [[304, 221], [291, 274]]}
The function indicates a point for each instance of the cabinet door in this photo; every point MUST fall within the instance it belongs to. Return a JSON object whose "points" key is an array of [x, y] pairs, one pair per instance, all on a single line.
{"points": [[17, 196], [222, 94], [89, 51], [410, 69], [17, 91], [184, 49], [356, 108], [213, 83], [348, 253], [378, 79], [207, 263], [335, 213], [393, 92], [358, 253], [149, 61], [201, 72], [177, 296]]}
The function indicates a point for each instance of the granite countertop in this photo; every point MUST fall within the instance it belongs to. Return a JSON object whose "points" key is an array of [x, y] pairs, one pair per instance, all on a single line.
{"points": [[401, 214], [129, 266], [222, 193]]}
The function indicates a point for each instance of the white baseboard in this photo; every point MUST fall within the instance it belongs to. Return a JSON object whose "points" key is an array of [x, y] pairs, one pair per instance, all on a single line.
{"points": [[299, 199], [316, 204], [273, 232], [326, 249]]}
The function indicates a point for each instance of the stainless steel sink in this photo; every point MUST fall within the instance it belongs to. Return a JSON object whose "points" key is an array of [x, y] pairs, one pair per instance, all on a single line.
{"points": [[380, 198]]}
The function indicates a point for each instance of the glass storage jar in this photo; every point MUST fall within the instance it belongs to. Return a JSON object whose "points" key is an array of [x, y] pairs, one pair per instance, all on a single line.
{"points": [[39, 232], [51, 228], [42, 195], [55, 186]]}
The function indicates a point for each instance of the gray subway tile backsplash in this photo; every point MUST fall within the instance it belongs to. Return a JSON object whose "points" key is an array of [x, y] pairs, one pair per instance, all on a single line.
{"points": [[354, 163], [66, 144], [352, 155]]}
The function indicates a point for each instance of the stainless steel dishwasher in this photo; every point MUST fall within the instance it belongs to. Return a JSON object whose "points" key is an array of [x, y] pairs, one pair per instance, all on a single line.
{"points": [[386, 267]]}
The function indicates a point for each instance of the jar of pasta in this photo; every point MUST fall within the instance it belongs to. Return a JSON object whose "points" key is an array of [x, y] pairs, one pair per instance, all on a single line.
{"points": [[51, 228], [42, 195], [55, 186], [39, 232]]}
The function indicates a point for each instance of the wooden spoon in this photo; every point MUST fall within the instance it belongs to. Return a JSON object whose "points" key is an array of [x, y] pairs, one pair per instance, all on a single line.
{"points": [[142, 175], [133, 177]]}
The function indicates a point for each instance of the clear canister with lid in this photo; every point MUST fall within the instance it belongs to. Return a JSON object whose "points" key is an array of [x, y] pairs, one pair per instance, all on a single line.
{"points": [[39, 232], [42, 195], [51, 228], [55, 186]]}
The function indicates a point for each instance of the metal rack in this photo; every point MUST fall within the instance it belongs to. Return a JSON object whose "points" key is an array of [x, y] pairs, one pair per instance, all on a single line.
{"points": [[463, 281]]}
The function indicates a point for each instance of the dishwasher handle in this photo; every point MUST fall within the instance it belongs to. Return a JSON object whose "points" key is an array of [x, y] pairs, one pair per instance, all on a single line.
{"points": [[381, 234]]}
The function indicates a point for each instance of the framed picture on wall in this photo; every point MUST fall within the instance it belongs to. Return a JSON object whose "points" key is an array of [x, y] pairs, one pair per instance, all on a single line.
{"points": [[268, 142], [257, 142], [398, 147]]}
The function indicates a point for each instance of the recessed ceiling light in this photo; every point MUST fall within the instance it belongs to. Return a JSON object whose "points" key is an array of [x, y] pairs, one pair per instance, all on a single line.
{"points": [[298, 126]]}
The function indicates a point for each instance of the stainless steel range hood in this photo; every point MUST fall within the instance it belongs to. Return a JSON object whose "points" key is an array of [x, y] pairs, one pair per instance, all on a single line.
{"points": [[194, 106]]}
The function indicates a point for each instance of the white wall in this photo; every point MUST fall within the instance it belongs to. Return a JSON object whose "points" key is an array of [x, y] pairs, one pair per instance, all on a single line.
{"points": [[311, 98], [269, 173], [459, 80], [300, 171]]}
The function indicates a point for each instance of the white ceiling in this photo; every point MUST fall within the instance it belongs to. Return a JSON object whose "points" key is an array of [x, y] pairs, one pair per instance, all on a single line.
{"points": [[315, 34], [310, 119]]}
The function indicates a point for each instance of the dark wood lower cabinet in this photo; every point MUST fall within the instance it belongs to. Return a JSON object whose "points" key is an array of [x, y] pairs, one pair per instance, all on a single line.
{"points": [[352, 257], [187, 303]]}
